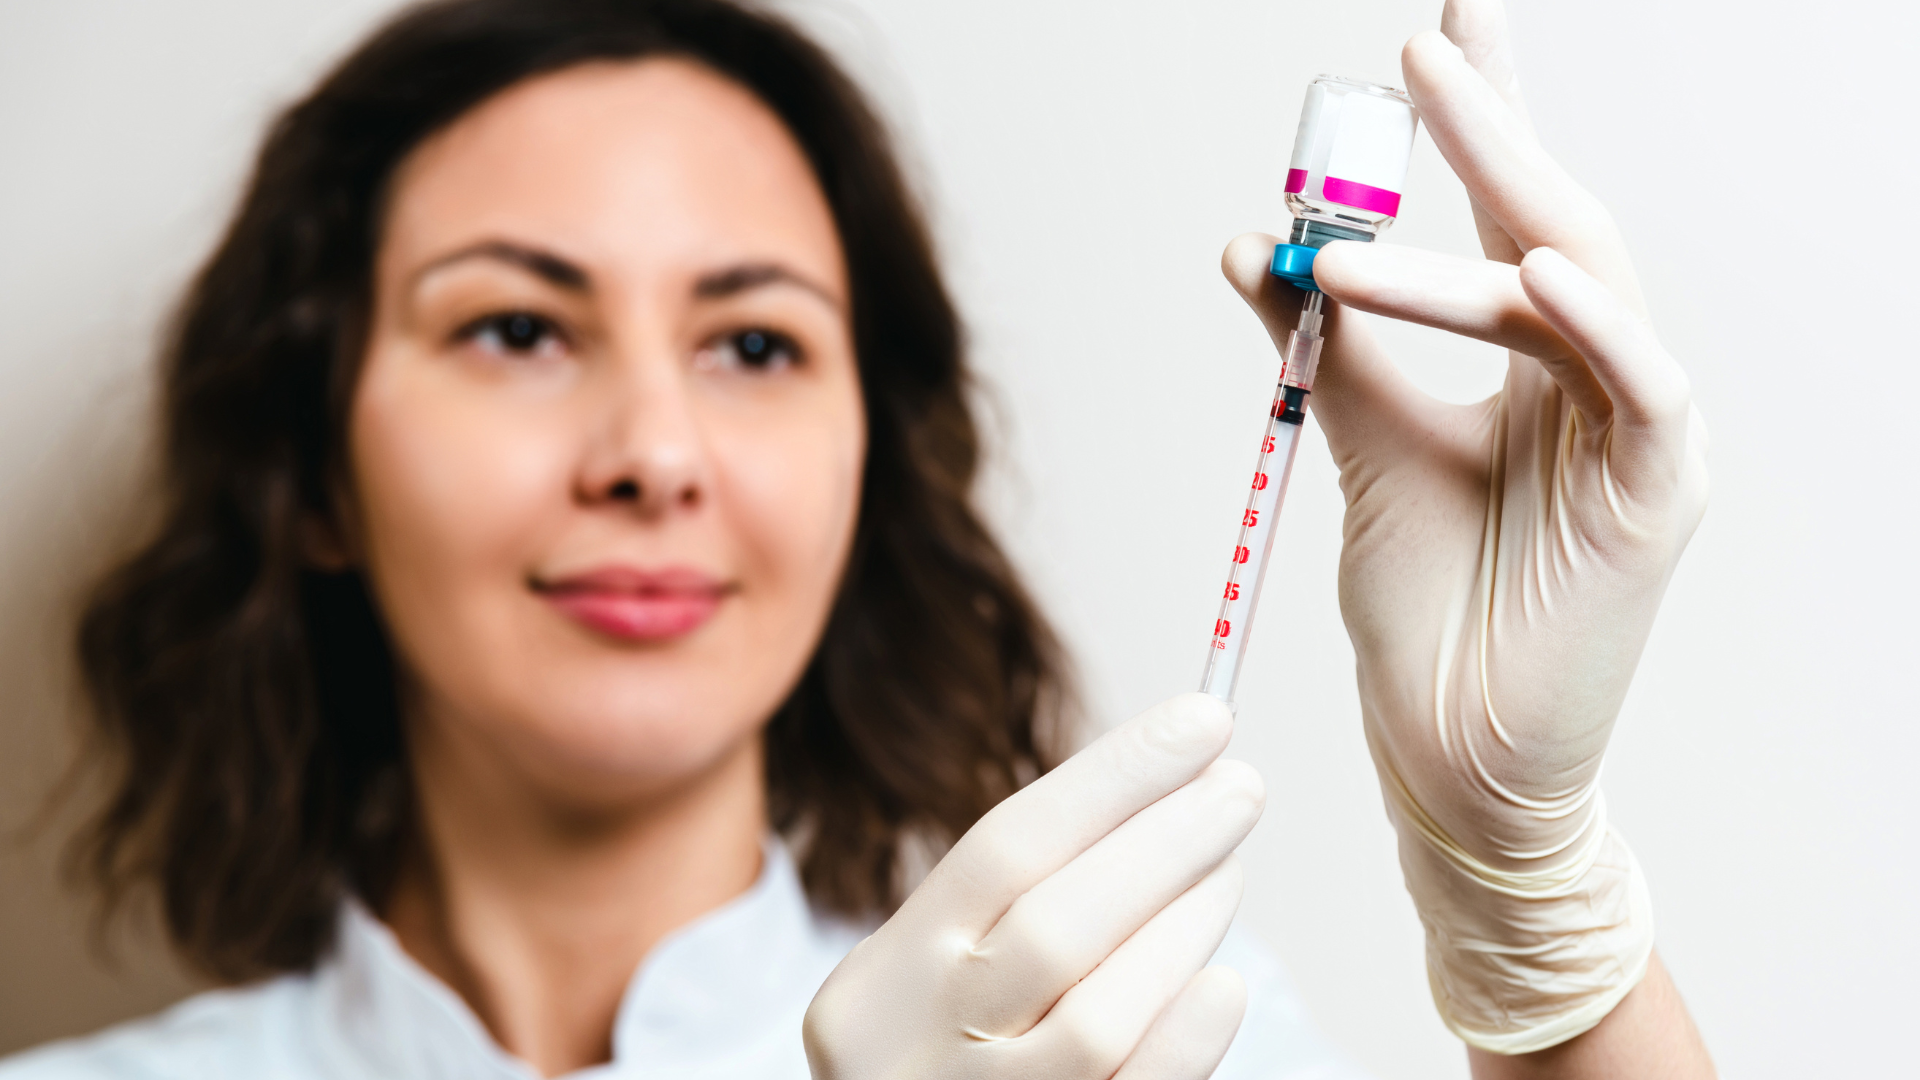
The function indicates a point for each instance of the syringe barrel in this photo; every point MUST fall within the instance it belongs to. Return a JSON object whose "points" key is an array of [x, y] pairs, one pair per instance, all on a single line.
{"points": [[1247, 571]]}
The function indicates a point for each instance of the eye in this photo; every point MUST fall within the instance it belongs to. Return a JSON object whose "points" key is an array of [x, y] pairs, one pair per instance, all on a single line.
{"points": [[752, 350], [515, 333]]}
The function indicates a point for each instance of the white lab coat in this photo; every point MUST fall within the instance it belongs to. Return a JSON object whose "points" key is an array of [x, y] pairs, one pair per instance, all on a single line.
{"points": [[719, 999]]}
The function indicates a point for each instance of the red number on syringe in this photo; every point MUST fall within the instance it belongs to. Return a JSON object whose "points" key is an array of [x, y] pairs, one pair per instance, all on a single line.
{"points": [[1252, 517], [1266, 445], [1221, 628], [1233, 591], [1259, 481]]}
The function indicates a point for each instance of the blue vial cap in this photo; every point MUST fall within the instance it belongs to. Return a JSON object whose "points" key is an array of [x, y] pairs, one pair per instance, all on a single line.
{"points": [[1294, 264]]}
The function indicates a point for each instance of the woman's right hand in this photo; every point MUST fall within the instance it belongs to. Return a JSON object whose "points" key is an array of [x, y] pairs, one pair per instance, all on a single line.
{"points": [[1065, 935]]}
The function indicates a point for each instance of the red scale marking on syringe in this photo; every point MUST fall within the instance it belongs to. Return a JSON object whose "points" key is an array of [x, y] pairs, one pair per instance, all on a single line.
{"points": [[1268, 490]]}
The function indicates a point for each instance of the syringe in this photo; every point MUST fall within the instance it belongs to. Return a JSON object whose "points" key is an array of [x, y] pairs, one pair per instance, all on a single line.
{"points": [[1271, 470], [1343, 183]]}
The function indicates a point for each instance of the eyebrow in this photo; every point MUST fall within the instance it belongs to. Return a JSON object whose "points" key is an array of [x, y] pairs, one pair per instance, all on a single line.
{"points": [[558, 271], [738, 279], [545, 265]]}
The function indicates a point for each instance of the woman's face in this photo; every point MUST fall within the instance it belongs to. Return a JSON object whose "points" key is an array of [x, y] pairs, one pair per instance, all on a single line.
{"points": [[606, 445]]}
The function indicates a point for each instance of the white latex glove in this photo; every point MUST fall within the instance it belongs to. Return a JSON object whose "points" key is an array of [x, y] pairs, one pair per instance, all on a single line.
{"points": [[1064, 935], [1503, 561]]}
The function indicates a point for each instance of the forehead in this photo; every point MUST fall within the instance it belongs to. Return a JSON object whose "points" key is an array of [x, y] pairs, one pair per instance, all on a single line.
{"points": [[660, 166]]}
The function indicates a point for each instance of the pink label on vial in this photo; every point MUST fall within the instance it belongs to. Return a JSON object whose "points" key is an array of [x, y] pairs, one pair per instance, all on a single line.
{"points": [[1296, 179], [1360, 196]]}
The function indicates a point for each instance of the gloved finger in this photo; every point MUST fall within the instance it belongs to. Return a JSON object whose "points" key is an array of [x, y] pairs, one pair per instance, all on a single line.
{"points": [[1095, 1027], [1649, 393], [1360, 398], [1043, 827], [1068, 924], [1472, 297], [1505, 168], [1191, 1035], [1479, 28]]}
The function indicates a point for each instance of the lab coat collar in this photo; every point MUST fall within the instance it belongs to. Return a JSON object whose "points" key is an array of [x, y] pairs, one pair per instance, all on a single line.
{"points": [[725, 984]]}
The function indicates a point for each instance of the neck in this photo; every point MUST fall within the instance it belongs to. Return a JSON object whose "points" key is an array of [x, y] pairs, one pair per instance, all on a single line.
{"points": [[538, 912]]}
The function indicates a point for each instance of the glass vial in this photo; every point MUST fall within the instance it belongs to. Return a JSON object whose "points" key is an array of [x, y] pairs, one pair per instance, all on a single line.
{"points": [[1349, 160]]}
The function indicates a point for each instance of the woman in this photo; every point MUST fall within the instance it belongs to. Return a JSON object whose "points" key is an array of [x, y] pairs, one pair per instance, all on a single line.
{"points": [[568, 612]]}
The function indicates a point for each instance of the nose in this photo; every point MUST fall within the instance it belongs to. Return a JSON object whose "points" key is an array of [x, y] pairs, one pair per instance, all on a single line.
{"points": [[646, 453]]}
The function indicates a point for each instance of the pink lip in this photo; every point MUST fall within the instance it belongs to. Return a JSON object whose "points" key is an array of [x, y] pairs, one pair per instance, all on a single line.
{"points": [[639, 605]]}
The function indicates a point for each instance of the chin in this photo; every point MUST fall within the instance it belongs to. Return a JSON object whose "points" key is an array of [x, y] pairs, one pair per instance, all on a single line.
{"points": [[624, 741]]}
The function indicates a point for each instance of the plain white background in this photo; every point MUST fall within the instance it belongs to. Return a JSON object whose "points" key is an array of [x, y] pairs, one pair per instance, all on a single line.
{"points": [[1085, 164]]}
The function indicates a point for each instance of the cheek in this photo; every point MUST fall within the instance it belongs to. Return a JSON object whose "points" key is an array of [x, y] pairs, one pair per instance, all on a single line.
{"points": [[794, 492], [450, 494]]}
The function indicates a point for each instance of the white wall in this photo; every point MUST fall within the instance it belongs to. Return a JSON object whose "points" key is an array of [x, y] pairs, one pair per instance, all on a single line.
{"points": [[1086, 164]]}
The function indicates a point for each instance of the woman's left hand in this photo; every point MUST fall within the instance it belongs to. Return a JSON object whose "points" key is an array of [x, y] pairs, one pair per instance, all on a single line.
{"points": [[1503, 561]]}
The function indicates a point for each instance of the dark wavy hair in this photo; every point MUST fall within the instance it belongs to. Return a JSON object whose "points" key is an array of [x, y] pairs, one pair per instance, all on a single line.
{"points": [[249, 699]]}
